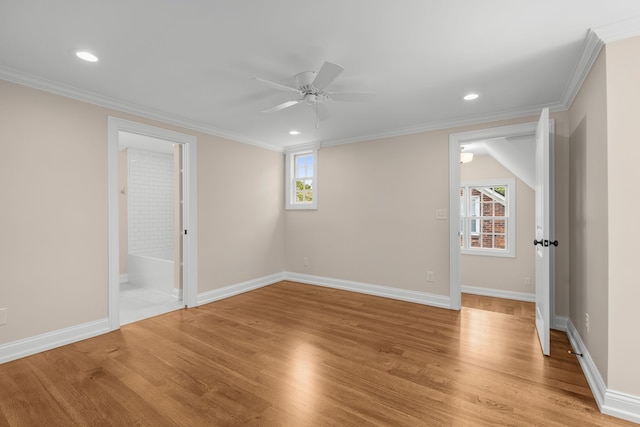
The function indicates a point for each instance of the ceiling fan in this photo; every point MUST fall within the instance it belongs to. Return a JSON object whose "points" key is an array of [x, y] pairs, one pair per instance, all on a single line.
{"points": [[311, 88]]}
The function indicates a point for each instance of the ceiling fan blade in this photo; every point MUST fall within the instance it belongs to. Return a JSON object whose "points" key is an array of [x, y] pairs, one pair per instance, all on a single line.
{"points": [[277, 85], [322, 112], [326, 75], [281, 106], [352, 96]]}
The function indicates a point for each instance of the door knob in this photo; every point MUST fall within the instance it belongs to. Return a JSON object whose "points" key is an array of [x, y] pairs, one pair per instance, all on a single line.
{"points": [[537, 242]]}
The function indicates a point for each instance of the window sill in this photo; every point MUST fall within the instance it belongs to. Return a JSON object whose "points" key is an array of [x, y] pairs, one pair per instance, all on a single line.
{"points": [[488, 252], [310, 207]]}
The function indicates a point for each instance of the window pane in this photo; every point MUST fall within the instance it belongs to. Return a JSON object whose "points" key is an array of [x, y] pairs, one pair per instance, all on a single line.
{"points": [[475, 206], [300, 167], [308, 191], [474, 226], [487, 206]]}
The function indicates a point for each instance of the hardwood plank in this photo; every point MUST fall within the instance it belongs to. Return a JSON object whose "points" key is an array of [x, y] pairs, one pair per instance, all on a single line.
{"points": [[293, 354]]}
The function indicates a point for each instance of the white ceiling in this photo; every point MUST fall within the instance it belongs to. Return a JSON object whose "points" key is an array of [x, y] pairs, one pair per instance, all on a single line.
{"points": [[192, 62]]}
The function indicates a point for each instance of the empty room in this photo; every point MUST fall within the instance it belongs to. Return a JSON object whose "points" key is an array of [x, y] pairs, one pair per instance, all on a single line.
{"points": [[319, 213]]}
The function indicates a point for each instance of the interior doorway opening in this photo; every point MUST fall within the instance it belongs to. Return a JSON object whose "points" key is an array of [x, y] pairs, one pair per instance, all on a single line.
{"points": [[150, 205], [543, 132], [152, 224]]}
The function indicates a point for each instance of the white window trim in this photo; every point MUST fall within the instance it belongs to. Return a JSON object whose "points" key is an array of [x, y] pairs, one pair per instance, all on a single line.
{"points": [[510, 252], [290, 189]]}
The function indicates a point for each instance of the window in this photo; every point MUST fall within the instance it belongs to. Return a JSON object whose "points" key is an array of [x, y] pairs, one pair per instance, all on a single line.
{"points": [[302, 179], [487, 217]]}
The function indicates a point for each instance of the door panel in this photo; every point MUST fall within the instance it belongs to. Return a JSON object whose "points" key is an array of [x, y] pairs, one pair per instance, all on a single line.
{"points": [[544, 216]]}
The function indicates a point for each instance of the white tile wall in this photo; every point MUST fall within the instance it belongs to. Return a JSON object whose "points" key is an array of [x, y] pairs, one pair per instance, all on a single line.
{"points": [[150, 201]]}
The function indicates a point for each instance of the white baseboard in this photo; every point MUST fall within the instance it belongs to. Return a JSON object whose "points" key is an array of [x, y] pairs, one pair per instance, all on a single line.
{"points": [[377, 290], [596, 383], [497, 293], [124, 278], [32, 345], [560, 323], [610, 402], [239, 288]]}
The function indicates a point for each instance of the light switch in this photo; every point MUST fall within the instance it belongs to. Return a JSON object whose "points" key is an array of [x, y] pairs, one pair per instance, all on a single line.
{"points": [[441, 214]]}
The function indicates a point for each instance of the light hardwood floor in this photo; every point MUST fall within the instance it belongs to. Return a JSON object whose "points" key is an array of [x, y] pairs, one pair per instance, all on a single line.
{"points": [[299, 355]]}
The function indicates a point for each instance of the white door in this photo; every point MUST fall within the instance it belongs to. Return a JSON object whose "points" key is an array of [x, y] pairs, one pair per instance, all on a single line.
{"points": [[544, 228]]}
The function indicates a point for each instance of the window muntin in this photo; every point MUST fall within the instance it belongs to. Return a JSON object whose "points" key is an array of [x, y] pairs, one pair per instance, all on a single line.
{"points": [[487, 218]]}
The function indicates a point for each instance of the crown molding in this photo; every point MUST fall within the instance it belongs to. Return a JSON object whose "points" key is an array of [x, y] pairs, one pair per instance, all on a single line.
{"points": [[619, 31], [450, 124], [590, 50], [67, 91]]}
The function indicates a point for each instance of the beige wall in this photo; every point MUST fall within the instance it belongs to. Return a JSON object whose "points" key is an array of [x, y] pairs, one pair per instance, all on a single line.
{"points": [[376, 218], [375, 222], [623, 152], [588, 214], [240, 217], [503, 273], [53, 221]]}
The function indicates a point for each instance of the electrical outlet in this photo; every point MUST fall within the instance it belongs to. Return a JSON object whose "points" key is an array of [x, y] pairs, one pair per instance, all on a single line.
{"points": [[3, 316], [305, 261], [430, 277], [527, 281], [441, 214], [586, 321]]}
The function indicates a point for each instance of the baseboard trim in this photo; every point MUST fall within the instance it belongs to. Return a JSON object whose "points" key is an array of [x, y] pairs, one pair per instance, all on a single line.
{"points": [[560, 323], [497, 293], [369, 289], [610, 402], [622, 405], [238, 288], [36, 344]]}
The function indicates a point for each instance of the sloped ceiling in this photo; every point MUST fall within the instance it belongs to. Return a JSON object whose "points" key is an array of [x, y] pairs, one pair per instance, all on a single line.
{"points": [[192, 62]]}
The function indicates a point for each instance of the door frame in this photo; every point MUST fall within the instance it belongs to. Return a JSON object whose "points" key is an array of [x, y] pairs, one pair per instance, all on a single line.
{"points": [[456, 140], [189, 210]]}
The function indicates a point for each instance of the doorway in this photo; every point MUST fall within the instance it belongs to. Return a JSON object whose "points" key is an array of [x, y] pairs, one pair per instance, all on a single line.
{"points": [[456, 141], [497, 218], [150, 200], [152, 222]]}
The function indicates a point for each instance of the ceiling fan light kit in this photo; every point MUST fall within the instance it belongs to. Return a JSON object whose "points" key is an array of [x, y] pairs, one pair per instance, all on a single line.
{"points": [[310, 86]]}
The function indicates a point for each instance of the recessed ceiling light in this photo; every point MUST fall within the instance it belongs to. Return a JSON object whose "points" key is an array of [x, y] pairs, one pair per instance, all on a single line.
{"points": [[294, 132], [87, 56], [471, 96]]}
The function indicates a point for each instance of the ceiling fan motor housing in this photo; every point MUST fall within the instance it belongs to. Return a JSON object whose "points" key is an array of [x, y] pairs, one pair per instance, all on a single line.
{"points": [[304, 83]]}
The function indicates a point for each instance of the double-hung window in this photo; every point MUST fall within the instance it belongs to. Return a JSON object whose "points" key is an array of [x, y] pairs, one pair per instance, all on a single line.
{"points": [[487, 217], [302, 179]]}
